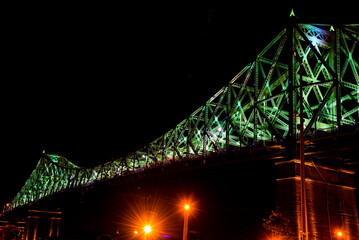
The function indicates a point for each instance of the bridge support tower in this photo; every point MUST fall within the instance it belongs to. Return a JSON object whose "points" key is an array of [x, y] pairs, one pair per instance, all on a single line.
{"points": [[331, 204]]}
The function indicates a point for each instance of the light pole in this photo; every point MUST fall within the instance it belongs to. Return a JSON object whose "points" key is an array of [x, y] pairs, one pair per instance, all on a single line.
{"points": [[185, 222]]}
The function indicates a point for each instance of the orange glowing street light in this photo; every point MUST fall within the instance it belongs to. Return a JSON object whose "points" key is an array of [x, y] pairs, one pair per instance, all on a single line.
{"points": [[147, 229], [340, 234]]}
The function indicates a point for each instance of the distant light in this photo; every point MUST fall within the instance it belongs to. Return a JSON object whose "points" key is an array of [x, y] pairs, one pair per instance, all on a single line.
{"points": [[147, 229], [166, 236], [135, 232], [340, 234], [186, 207]]}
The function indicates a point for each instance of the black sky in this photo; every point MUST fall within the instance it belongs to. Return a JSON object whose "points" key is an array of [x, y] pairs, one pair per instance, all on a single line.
{"points": [[96, 81]]}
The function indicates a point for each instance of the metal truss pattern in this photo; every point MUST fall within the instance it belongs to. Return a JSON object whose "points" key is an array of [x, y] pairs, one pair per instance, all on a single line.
{"points": [[259, 105]]}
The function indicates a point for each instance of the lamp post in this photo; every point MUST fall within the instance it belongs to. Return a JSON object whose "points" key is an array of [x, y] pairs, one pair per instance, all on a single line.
{"points": [[185, 222]]}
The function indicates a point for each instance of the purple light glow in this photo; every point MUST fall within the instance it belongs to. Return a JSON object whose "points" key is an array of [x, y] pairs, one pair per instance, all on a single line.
{"points": [[166, 236]]}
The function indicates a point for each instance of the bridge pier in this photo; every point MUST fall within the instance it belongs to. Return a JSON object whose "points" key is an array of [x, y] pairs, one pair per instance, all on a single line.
{"points": [[331, 204], [44, 224]]}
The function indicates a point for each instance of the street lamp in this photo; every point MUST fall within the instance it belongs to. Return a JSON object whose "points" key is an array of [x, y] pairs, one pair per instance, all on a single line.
{"points": [[147, 230], [185, 222]]}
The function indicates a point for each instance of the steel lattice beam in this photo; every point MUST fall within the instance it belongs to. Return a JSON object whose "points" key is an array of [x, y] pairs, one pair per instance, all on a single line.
{"points": [[257, 106]]}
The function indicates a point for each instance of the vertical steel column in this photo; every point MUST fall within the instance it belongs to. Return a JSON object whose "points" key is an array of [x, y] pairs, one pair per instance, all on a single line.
{"points": [[189, 130], [291, 136], [175, 140], [255, 117], [228, 109], [204, 130], [337, 79]]}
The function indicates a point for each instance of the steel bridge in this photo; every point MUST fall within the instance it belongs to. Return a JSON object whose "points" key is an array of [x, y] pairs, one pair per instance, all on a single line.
{"points": [[260, 105]]}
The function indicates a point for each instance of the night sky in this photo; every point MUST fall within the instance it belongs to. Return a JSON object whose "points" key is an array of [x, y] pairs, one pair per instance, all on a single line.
{"points": [[95, 82]]}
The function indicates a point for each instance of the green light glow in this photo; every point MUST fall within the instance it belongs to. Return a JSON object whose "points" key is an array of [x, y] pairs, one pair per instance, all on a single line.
{"points": [[292, 13], [253, 107]]}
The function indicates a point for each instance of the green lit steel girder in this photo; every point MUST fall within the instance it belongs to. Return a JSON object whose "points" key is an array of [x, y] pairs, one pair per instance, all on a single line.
{"points": [[257, 106]]}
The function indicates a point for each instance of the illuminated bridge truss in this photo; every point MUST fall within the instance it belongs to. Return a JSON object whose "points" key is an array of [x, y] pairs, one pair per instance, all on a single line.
{"points": [[260, 104]]}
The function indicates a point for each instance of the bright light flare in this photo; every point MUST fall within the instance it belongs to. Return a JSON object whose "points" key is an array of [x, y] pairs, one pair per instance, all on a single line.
{"points": [[150, 217], [187, 205], [340, 234], [147, 229]]}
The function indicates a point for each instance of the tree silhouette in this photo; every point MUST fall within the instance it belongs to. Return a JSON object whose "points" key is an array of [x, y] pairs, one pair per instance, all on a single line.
{"points": [[278, 225]]}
